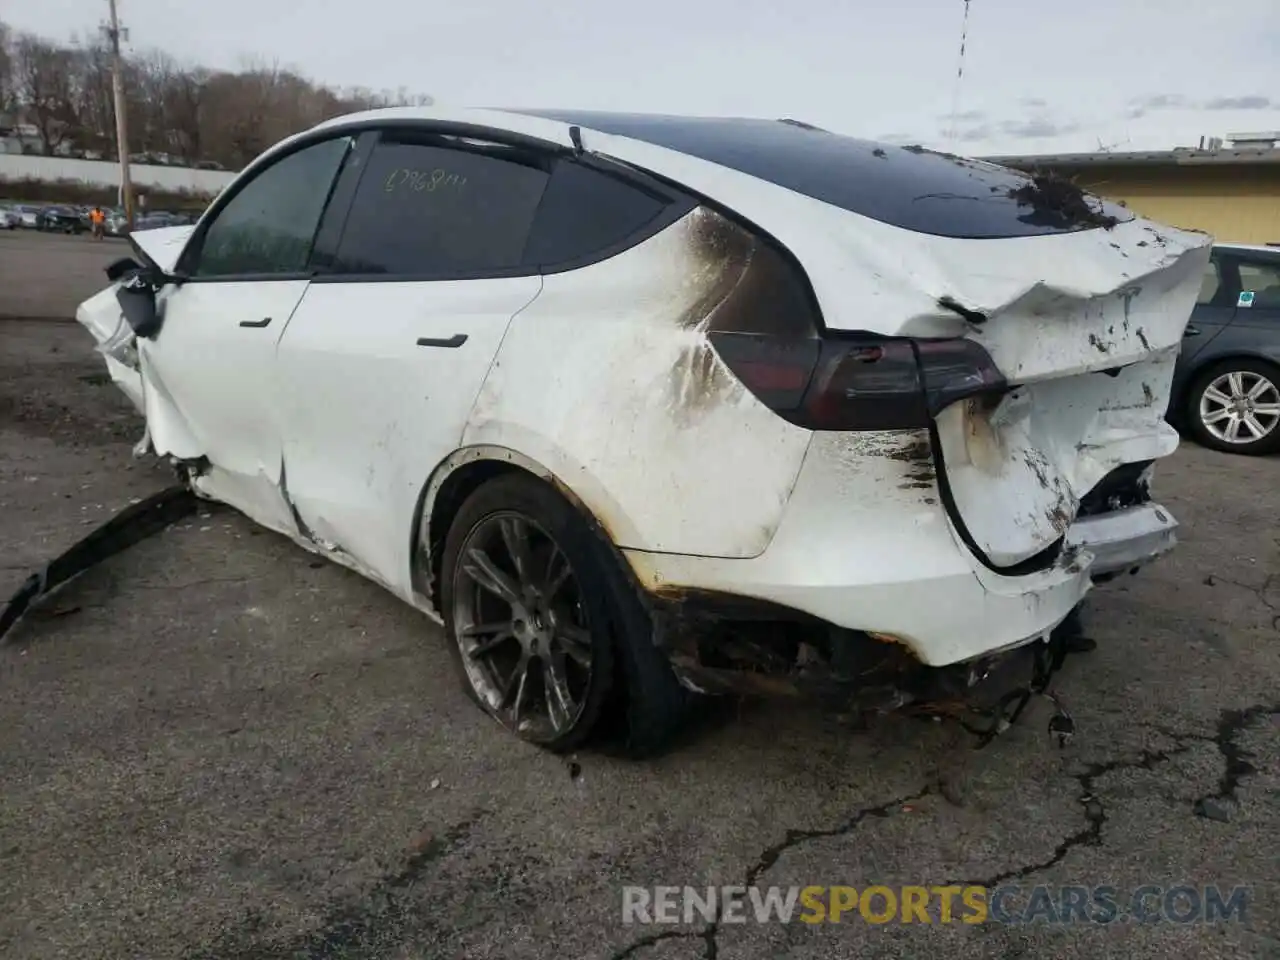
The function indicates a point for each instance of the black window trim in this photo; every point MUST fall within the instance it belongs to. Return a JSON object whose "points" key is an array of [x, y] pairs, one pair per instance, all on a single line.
{"points": [[195, 243], [351, 128], [678, 204], [1227, 278]]}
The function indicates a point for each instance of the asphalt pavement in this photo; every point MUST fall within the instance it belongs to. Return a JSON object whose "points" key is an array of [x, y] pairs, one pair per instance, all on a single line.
{"points": [[217, 746]]}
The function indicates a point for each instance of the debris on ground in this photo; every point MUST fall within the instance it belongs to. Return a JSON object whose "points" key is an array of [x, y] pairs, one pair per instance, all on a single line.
{"points": [[1212, 809], [131, 525]]}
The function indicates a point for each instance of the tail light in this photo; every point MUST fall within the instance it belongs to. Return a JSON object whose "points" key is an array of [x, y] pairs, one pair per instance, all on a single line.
{"points": [[860, 382]]}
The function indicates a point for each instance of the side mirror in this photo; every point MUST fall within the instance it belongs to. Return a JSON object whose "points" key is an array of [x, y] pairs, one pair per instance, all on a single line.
{"points": [[119, 268], [137, 298]]}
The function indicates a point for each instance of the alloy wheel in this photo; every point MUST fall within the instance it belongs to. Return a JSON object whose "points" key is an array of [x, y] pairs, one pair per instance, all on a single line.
{"points": [[521, 627], [1240, 407]]}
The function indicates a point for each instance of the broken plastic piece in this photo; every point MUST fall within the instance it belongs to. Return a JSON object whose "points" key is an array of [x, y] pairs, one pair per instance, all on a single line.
{"points": [[1063, 727], [131, 525]]}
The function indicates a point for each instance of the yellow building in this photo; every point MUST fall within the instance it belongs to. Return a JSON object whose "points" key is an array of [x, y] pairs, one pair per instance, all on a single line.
{"points": [[1231, 191]]}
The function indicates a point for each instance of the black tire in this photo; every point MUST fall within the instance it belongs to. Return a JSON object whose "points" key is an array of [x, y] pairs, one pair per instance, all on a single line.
{"points": [[1195, 425], [627, 670]]}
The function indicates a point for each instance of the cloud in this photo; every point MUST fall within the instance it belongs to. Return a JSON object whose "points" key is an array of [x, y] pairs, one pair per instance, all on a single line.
{"points": [[1034, 102], [1139, 107], [982, 132], [1036, 128], [1142, 106], [1161, 101], [898, 138], [966, 116], [1240, 103]]}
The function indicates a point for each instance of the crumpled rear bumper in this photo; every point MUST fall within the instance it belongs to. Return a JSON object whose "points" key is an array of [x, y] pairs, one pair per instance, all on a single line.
{"points": [[1124, 539]]}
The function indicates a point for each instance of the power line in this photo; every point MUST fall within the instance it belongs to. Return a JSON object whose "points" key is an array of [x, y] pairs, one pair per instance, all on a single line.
{"points": [[955, 93]]}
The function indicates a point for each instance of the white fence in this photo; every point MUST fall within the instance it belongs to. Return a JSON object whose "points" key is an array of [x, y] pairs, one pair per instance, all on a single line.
{"points": [[105, 174]]}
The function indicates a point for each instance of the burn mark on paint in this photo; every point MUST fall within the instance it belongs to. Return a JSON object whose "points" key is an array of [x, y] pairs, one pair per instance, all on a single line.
{"points": [[738, 282], [1051, 193], [1148, 394], [697, 380], [918, 481], [1142, 338], [749, 285], [1058, 514], [721, 254], [879, 152], [1096, 342], [918, 452]]}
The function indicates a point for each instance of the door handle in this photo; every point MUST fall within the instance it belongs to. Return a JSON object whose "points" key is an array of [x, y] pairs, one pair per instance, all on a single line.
{"points": [[1191, 331], [255, 323], [457, 340]]}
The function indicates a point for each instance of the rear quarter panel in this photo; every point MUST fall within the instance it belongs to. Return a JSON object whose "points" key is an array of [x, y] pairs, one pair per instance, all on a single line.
{"points": [[608, 381]]}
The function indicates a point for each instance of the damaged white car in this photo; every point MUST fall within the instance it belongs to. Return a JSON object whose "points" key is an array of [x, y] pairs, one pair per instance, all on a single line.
{"points": [[639, 405]]}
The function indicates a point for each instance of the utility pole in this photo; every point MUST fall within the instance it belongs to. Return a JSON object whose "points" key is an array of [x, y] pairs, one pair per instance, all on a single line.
{"points": [[114, 35]]}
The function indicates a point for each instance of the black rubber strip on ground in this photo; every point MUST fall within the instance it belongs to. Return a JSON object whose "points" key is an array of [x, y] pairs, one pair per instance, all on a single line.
{"points": [[133, 524]]}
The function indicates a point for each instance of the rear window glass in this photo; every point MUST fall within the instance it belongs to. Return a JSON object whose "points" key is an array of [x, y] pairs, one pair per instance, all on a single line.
{"points": [[907, 187]]}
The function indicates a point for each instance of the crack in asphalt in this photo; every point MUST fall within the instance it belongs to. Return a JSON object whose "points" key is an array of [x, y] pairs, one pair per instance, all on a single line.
{"points": [[764, 862], [1231, 723], [1236, 765], [1094, 811], [1260, 591]]}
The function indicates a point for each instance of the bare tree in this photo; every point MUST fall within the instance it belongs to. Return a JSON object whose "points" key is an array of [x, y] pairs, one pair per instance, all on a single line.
{"points": [[91, 99], [8, 95], [42, 72], [190, 113]]}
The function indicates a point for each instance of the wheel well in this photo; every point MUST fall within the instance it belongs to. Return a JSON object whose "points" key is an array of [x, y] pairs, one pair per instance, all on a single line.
{"points": [[449, 499]]}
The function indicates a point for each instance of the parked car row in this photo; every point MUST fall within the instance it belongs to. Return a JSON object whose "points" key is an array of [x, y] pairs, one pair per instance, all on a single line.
{"points": [[74, 219]]}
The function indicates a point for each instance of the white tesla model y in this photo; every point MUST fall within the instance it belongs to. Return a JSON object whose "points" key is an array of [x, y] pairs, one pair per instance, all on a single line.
{"points": [[644, 404]]}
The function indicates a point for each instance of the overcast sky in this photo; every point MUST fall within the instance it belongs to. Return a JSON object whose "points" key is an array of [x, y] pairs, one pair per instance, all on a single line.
{"points": [[1038, 76]]}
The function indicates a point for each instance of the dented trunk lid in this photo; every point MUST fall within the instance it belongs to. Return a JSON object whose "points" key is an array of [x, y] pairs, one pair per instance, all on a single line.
{"points": [[1087, 338]]}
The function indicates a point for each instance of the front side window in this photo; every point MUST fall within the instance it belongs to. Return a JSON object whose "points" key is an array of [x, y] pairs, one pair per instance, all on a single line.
{"points": [[268, 226], [428, 207]]}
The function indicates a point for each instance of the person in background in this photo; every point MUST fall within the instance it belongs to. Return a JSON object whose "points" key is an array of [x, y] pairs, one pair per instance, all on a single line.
{"points": [[97, 220]]}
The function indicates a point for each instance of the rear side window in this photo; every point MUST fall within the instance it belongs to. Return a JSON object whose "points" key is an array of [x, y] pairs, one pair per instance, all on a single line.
{"points": [[1260, 284], [438, 210], [584, 213], [269, 225]]}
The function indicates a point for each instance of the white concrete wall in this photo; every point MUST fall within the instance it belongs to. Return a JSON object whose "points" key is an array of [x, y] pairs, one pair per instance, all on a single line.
{"points": [[105, 174]]}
